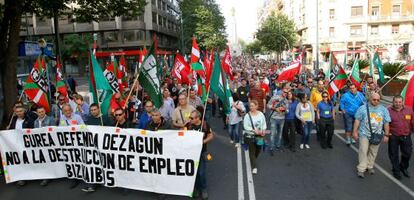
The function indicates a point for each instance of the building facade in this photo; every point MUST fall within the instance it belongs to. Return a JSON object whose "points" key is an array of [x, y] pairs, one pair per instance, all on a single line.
{"points": [[357, 27], [160, 17]]}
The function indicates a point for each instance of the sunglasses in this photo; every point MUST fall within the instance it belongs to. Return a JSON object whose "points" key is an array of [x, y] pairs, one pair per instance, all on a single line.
{"points": [[325, 96], [117, 115]]}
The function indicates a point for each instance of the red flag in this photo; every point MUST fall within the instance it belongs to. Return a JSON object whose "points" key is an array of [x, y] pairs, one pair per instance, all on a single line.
{"points": [[123, 72], [226, 63], [195, 52], [208, 60], [181, 70], [36, 88], [408, 93], [409, 68], [142, 57], [289, 73], [338, 81], [60, 83]]}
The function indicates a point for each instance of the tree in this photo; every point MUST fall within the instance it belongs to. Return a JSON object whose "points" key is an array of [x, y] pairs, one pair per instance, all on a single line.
{"points": [[204, 20], [277, 33], [76, 48], [254, 47], [10, 22]]}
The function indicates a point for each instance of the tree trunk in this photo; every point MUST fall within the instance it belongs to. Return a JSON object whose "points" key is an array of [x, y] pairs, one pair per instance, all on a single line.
{"points": [[8, 75]]}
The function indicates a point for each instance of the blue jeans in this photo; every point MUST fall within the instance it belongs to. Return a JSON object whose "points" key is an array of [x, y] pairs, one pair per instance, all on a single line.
{"points": [[276, 127], [201, 178], [349, 122], [307, 128], [246, 105], [234, 132]]}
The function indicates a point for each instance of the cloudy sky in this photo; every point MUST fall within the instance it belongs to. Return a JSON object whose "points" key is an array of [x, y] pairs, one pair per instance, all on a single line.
{"points": [[246, 17]]}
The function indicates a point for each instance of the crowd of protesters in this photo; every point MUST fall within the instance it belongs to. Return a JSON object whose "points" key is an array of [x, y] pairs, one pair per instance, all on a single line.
{"points": [[266, 115]]}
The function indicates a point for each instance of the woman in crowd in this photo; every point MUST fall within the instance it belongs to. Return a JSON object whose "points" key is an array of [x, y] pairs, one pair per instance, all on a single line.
{"points": [[289, 127], [326, 116], [305, 113], [234, 119], [254, 124]]}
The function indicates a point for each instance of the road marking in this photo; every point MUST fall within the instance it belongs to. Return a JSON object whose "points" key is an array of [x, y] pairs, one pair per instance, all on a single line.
{"points": [[402, 186], [240, 173], [250, 184]]}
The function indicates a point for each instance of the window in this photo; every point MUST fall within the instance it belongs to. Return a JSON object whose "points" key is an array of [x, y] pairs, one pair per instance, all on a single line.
{"points": [[356, 11], [159, 5], [331, 13], [356, 30], [396, 10], [160, 20], [375, 11], [111, 36], [154, 18], [129, 36], [331, 31], [395, 29], [164, 22], [374, 30], [140, 35]]}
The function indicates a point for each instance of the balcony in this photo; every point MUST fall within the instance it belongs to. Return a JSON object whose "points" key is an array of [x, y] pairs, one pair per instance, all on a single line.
{"points": [[107, 25], [43, 30], [136, 24], [390, 19], [84, 27]]}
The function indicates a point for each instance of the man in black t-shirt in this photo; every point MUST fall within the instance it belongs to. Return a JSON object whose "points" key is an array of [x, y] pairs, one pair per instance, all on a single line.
{"points": [[201, 179], [243, 93], [120, 119]]}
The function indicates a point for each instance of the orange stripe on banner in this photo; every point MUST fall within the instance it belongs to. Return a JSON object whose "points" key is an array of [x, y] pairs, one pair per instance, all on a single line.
{"points": [[143, 132], [4, 163], [181, 133]]}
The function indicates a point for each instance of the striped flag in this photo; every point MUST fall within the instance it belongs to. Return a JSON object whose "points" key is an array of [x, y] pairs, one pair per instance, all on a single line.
{"points": [[37, 86]]}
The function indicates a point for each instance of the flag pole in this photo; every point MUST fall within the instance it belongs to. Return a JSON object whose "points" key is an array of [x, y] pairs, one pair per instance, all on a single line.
{"points": [[397, 74], [205, 107], [94, 87]]}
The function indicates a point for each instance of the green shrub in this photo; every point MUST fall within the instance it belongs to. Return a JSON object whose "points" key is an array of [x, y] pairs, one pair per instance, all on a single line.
{"points": [[391, 69]]}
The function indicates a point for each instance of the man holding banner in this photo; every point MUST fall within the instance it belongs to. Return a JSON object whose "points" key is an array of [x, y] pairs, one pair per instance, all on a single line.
{"points": [[196, 123]]}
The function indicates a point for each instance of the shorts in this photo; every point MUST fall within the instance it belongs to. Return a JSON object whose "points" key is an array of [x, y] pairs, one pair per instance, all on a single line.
{"points": [[349, 122]]}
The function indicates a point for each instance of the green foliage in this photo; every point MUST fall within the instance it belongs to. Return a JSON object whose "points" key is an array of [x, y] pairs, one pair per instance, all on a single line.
{"points": [[86, 10], [204, 20], [362, 63], [277, 33], [391, 69], [254, 47], [76, 45]]}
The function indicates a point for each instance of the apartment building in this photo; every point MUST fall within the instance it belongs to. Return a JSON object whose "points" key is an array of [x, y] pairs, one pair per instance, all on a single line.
{"points": [[357, 27], [161, 17]]}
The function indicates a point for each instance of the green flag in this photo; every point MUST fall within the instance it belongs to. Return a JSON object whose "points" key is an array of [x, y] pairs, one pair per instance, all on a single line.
{"points": [[150, 79], [219, 85], [98, 85], [355, 78], [378, 64]]}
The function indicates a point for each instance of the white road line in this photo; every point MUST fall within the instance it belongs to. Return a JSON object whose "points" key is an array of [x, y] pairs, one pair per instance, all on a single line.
{"points": [[250, 184], [402, 186], [240, 180]]}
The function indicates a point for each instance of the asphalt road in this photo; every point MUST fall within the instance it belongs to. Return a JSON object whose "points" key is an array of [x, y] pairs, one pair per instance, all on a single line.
{"points": [[314, 173]]}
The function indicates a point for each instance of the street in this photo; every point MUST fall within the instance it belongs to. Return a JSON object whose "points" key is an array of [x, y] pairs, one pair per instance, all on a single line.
{"points": [[314, 173]]}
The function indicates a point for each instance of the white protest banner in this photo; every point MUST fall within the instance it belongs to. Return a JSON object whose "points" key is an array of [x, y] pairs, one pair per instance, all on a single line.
{"points": [[162, 162]]}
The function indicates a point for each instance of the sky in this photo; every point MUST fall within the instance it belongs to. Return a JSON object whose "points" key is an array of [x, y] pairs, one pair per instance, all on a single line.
{"points": [[246, 17]]}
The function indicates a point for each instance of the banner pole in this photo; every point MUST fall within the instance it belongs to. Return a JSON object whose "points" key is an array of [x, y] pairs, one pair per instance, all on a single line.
{"points": [[205, 107], [397, 74]]}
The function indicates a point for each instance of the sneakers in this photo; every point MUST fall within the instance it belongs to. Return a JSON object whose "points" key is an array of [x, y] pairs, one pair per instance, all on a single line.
{"points": [[360, 174], [348, 141], [204, 195], [237, 145], [301, 146], [231, 142], [307, 146], [353, 141], [88, 189], [21, 183], [254, 171], [371, 171], [405, 173], [44, 183]]}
